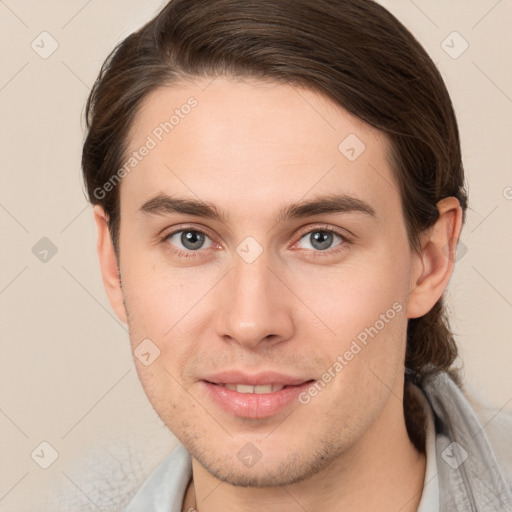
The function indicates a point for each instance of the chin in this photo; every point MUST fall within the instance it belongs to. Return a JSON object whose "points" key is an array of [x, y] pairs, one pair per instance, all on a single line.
{"points": [[277, 471]]}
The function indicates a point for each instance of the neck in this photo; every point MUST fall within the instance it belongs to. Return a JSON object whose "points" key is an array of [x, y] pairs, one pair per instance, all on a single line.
{"points": [[383, 471]]}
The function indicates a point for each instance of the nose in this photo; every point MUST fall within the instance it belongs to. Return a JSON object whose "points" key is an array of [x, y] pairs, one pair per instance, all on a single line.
{"points": [[255, 307]]}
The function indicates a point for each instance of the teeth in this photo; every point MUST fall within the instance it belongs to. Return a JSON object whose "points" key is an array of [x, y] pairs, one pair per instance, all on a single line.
{"points": [[244, 388]]}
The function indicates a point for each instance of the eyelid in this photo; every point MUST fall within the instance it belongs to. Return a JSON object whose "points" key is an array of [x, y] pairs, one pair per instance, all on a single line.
{"points": [[342, 233], [166, 233]]}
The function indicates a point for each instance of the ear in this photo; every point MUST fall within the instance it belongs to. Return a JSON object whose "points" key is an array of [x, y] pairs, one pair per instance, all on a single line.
{"points": [[434, 264], [108, 264]]}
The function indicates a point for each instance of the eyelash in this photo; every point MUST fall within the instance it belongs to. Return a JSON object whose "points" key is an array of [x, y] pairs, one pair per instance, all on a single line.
{"points": [[316, 254]]}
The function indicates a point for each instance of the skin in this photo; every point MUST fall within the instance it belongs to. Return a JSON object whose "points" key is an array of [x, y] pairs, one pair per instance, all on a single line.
{"points": [[251, 148]]}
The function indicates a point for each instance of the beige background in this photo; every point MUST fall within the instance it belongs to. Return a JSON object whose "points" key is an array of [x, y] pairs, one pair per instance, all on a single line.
{"points": [[66, 371]]}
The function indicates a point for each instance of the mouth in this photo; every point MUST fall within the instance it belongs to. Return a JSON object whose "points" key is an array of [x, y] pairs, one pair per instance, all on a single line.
{"points": [[259, 390], [255, 400]]}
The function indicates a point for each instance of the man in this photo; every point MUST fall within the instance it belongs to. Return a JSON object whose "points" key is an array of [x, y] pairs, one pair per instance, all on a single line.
{"points": [[279, 193]]}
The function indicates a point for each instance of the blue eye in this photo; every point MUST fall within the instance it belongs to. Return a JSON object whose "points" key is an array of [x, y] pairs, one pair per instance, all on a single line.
{"points": [[193, 243], [190, 239], [322, 239]]}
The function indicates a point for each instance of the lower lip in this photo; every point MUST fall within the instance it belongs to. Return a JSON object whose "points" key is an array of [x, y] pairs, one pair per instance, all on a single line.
{"points": [[254, 405]]}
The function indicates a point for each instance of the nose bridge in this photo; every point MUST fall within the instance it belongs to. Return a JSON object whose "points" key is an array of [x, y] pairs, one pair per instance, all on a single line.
{"points": [[255, 307]]}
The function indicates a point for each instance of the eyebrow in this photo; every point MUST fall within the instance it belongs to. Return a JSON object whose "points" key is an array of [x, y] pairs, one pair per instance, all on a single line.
{"points": [[163, 204]]}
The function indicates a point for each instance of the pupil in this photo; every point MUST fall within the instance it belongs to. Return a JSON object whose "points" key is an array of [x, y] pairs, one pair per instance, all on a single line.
{"points": [[321, 239]]}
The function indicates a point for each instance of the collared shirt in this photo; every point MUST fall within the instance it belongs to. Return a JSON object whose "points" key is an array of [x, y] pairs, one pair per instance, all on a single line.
{"points": [[430, 496]]}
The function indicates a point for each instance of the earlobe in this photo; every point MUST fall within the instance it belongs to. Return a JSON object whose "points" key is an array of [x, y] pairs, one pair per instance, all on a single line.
{"points": [[435, 262], [108, 264]]}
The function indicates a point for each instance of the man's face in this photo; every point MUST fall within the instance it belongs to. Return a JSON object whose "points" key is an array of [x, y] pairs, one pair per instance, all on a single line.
{"points": [[255, 297]]}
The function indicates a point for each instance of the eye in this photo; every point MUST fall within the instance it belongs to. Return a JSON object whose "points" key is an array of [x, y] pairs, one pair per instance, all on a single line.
{"points": [[188, 242], [321, 239], [189, 239]]}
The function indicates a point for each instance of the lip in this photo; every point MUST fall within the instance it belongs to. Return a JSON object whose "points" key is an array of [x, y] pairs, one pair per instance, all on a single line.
{"points": [[253, 405], [255, 379]]}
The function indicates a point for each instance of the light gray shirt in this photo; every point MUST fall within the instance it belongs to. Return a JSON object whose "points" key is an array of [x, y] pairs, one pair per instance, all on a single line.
{"points": [[430, 495]]}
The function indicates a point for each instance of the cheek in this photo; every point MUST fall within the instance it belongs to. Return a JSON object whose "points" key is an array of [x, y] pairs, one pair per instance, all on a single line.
{"points": [[158, 296], [166, 305], [363, 304], [352, 296], [162, 386]]}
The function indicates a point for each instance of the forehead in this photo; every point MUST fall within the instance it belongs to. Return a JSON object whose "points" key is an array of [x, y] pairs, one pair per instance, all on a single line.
{"points": [[249, 144]]}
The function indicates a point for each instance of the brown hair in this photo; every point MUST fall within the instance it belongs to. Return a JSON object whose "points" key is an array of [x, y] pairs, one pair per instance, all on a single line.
{"points": [[353, 51]]}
